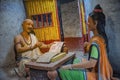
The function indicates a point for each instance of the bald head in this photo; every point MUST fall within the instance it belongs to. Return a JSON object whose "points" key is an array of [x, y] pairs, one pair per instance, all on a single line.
{"points": [[27, 20], [27, 25]]}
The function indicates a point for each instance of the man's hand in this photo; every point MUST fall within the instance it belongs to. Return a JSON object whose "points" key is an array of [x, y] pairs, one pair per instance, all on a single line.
{"points": [[38, 44], [49, 45]]}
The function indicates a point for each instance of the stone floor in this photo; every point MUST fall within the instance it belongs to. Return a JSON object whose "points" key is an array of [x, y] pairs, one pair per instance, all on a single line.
{"points": [[8, 73]]}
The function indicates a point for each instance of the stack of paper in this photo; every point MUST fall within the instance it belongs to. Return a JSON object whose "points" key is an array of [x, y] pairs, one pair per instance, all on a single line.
{"points": [[54, 50]]}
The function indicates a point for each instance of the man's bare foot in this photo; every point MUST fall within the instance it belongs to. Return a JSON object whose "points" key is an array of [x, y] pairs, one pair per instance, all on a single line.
{"points": [[18, 73]]}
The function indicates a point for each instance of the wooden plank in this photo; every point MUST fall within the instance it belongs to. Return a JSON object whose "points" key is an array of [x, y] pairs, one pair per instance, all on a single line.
{"points": [[50, 66]]}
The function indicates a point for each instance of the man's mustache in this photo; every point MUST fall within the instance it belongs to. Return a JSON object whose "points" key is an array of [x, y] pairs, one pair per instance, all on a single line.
{"points": [[31, 31], [30, 28]]}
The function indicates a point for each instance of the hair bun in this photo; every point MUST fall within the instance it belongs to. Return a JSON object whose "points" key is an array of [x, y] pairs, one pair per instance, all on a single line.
{"points": [[98, 8]]}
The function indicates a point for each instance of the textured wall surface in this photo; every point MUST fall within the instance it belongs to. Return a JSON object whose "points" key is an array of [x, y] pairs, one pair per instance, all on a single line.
{"points": [[111, 9], [12, 14], [70, 19]]}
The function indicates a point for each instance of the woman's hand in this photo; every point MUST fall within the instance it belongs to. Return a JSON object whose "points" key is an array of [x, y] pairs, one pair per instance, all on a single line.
{"points": [[69, 66], [86, 46]]}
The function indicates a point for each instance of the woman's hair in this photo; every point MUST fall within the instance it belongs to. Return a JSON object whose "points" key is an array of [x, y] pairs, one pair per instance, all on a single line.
{"points": [[98, 15]]}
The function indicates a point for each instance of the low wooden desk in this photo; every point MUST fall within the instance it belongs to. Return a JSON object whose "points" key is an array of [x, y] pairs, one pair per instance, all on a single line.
{"points": [[38, 70]]}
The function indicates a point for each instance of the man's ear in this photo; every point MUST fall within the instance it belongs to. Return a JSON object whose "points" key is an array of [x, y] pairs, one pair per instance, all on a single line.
{"points": [[96, 22], [22, 25]]}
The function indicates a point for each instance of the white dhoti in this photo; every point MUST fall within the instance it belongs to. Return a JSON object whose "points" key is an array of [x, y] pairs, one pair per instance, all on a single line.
{"points": [[29, 55]]}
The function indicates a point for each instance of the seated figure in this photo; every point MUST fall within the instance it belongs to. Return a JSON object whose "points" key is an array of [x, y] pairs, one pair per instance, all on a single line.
{"points": [[97, 66], [27, 46]]}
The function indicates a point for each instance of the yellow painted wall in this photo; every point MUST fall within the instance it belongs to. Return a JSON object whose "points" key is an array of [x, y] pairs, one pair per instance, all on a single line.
{"points": [[34, 7]]}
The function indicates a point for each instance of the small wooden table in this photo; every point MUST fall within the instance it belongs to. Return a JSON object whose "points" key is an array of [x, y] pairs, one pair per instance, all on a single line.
{"points": [[38, 70]]}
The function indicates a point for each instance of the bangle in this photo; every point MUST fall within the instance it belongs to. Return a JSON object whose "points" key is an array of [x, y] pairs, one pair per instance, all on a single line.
{"points": [[71, 66]]}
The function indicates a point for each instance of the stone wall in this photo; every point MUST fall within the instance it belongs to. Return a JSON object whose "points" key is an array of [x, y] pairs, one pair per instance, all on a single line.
{"points": [[12, 14], [70, 19]]}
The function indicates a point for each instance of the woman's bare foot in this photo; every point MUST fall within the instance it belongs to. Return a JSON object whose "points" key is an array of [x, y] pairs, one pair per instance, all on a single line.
{"points": [[52, 75], [28, 78]]}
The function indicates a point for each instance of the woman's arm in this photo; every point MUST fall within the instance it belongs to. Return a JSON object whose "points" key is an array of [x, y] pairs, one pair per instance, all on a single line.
{"points": [[86, 64]]}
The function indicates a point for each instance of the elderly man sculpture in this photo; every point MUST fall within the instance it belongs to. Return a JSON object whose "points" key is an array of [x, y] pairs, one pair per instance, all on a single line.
{"points": [[27, 45]]}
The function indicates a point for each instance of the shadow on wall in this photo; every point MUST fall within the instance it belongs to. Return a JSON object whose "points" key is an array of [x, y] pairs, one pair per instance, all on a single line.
{"points": [[3, 76], [112, 55], [111, 37], [6, 70], [10, 58]]}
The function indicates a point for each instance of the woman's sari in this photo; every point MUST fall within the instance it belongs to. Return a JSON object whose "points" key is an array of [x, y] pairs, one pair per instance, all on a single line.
{"points": [[102, 70]]}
